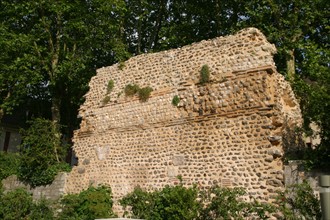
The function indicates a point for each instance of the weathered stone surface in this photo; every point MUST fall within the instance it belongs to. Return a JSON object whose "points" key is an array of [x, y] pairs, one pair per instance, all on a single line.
{"points": [[52, 191], [218, 134]]}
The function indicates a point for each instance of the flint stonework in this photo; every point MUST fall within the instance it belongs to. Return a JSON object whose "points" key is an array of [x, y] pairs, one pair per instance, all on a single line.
{"points": [[226, 131]]}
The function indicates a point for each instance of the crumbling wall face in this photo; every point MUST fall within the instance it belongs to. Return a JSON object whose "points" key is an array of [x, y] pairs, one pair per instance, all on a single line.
{"points": [[226, 132]]}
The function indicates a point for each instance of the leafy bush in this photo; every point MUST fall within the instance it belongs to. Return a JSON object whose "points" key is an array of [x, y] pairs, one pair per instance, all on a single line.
{"points": [[18, 204], [41, 210], [299, 202], [144, 93], [176, 202], [9, 164], [204, 75], [141, 203], [15, 204], [175, 100], [224, 203], [131, 90], [42, 154], [95, 202], [110, 86], [262, 210]]}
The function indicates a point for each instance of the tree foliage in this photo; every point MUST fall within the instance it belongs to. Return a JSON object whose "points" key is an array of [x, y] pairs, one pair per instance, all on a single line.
{"points": [[53, 49], [18, 204], [42, 153], [15, 204], [9, 164], [299, 202]]}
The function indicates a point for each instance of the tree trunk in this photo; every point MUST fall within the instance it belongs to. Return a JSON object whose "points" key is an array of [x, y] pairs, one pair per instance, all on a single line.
{"points": [[290, 64], [1, 114], [56, 117]]}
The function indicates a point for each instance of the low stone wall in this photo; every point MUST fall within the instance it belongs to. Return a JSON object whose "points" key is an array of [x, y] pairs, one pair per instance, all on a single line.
{"points": [[53, 191], [295, 173]]}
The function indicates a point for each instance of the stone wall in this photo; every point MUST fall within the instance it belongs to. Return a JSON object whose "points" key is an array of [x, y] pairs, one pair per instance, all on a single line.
{"points": [[227, 132], [53, 191], [295, 173]]}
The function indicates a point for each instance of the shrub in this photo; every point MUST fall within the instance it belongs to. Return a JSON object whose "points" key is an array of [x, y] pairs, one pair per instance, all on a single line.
{"points": [[110, 86], [42, 154], [16, 204], [176, 202], [175, 100], [41, 210], [172, 202], [9, 164], [223, 202], [144, 93], [141, 203], [92, 203], [299, 202], [204, 75], [131, 90]]}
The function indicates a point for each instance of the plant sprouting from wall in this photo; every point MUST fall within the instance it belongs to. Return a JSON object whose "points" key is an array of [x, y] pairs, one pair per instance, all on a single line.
{"points": [[110, 86], [175, 100], [121, 65], [144, 93], [204, 74], [131, 89], [106, 100]]}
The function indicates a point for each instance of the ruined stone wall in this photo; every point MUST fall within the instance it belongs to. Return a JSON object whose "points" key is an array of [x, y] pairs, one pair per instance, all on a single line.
{"points": [[226, 132], [52, 191]]}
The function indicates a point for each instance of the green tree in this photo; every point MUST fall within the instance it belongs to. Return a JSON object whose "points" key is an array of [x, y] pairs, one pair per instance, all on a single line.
{"points": [[300, 30], [55, 48], [42, 153], [299, 202]]}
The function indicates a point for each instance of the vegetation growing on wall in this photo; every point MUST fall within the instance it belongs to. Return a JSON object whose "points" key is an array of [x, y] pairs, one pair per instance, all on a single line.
{"points": [[143, 93], [204, 75], [131, 89], [110, 86], [175, 100], [106, 100]]}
